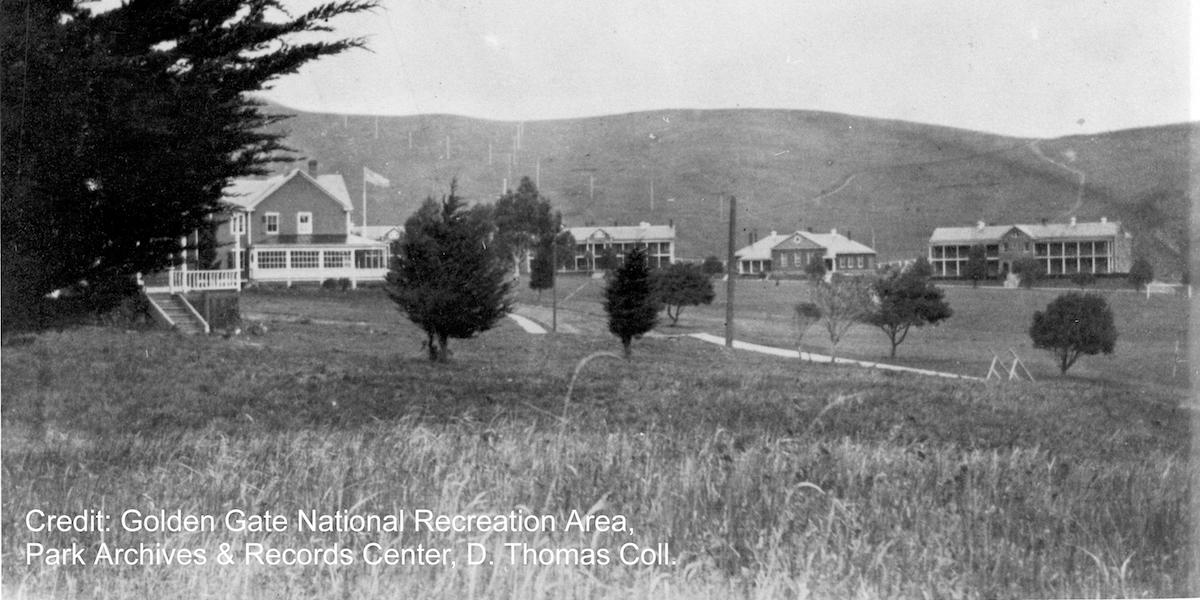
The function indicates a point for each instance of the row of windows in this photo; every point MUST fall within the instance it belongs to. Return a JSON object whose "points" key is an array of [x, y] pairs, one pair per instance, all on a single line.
{"points": [[1059, 249], [1053, 266], [1040, 249], [652, 248], [329, 259], [270, 221]]}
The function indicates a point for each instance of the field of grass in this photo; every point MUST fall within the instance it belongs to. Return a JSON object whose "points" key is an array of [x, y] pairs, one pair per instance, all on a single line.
{"points": [[1151, 343], [768, 478]]}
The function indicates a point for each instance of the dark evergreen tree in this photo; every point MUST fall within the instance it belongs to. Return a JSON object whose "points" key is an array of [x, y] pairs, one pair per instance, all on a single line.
{"points": [[552, 252], [629, 299], [523, 218], [903, 301], [607, 259], [1072, 325], [679, 285], [977, 268], [449, 279], [1140, 273], [122, 127]]}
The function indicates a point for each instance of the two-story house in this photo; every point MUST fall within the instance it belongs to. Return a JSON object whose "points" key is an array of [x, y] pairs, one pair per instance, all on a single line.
{"points": [[296, 227]]}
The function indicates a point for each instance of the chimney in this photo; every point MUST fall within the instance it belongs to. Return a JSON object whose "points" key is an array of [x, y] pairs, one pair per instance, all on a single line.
{"points": [[312, 167], [1103, 219], [833, 231], [643, 224], [979, 225], [810, 229], [774, 233], [671, 223], [849, 236], [1072, 221], [1043, 221]]}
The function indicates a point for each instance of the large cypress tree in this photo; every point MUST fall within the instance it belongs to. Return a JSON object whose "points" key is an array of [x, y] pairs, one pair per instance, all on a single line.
{"points": [[449, 278], [122, 128], [630, 301]]}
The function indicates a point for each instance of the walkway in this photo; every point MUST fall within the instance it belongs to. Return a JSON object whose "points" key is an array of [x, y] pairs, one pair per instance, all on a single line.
{"points": [[712, 339]]}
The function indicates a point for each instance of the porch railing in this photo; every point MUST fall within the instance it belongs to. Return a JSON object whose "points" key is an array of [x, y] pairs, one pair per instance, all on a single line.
{"points": [[199, 281]]}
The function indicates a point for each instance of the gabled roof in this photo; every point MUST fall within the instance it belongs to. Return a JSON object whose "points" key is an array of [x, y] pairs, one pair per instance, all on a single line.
{"points": [[833, 243], [836, 244], [376, 232], [1050, 231], [761, 250], [623, 233], [248, 193]]}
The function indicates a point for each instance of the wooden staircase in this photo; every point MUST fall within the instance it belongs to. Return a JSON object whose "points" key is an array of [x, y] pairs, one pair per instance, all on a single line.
{"points": [[173, 310]]}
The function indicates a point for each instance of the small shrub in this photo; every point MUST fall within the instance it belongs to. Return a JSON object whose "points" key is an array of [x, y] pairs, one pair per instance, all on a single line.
{"points": [[1030, 270], [712, 266], [1083, 279], [329, 284], [344, 283], [1140, 273]]}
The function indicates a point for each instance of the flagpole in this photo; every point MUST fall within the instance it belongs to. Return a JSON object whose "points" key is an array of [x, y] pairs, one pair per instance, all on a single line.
{"points": [[364, 192]]}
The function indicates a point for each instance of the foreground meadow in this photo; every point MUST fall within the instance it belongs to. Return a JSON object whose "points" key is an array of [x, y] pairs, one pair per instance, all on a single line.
{"points": [[765, 478]]}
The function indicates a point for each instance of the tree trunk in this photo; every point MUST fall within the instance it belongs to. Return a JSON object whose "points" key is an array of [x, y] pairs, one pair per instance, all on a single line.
{"points": [[429, 344], [625, 343], [443, 349]]}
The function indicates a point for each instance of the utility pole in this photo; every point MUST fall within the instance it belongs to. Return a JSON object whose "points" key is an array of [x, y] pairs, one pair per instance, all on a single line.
{"points": [[651, 195], [591, 188], [489, 154], [554, 283], [538, 175], [730, 276]]}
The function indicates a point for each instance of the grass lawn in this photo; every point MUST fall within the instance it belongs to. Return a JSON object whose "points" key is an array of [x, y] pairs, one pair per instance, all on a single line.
{"points": [[766, 478], [1151, 342]]}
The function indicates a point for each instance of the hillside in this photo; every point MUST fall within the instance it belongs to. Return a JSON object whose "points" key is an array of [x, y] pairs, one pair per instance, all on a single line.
{"points": [[889, 181]]}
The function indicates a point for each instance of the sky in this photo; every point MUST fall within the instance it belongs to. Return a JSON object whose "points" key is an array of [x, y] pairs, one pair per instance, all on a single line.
{"points": [[1024, 68]]}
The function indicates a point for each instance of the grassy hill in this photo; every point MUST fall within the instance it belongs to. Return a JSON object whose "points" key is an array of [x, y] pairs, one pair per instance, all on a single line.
{"points": [[890, 181]]}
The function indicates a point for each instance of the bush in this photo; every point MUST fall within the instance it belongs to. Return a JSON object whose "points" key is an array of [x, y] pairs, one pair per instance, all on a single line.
{"points": [[712, 266], [1072, 325], [1030, 270], [1083, 279], [344, 283], [1140, 273], [329, 284]]}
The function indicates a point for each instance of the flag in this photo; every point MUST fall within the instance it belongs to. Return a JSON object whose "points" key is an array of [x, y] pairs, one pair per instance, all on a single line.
{"points": [[374, 178]]}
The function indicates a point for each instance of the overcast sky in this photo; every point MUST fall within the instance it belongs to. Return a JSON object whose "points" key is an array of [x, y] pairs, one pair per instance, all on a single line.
{"points": [[1025, 68]]}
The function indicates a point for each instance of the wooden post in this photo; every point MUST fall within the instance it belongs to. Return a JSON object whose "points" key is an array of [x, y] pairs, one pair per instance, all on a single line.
{"points": [[729, 276]]}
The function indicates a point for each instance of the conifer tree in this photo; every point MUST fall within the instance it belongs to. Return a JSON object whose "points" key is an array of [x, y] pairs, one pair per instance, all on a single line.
{"points": [[123, 126], [448, 278], [629, 299]]}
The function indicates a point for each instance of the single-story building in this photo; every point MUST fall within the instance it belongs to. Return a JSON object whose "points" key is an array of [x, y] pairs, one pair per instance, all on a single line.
{"points": [[1101, 247], [792, 253]]}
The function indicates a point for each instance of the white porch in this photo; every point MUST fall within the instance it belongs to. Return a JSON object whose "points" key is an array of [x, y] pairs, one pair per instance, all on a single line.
{"points": [[317, 264]]}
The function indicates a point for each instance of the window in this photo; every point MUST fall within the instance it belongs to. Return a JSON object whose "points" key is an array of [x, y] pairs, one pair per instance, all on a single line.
{"points": [[336, 260], [369, 259], [272, 259], [304, 223], [860, 262], [237, 224], [271, 223], [305, 259]]}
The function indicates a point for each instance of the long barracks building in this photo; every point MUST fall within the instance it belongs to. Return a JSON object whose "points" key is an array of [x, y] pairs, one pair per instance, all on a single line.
{"points": [[1102, 247]]}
